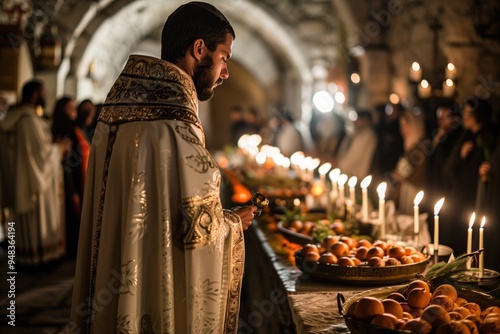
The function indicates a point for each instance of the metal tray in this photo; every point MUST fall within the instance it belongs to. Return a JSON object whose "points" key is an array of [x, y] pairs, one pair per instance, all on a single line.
{"points": [[360, 275]]}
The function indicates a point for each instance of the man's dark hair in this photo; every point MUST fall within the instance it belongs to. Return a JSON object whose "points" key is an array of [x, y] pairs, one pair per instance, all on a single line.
{"points": [[188, 23], [29, 90], [481, 109]]}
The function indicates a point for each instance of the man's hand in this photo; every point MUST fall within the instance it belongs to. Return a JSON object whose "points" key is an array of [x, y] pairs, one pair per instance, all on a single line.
{"points": [[246, 214]]}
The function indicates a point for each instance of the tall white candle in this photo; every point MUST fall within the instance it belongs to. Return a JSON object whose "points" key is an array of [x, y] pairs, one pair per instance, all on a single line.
{"points": [[481, 246], [322, 170], [352, 190], [381, 207], [341, 183], [364, 197], [415, 72], [437, 208], [416, 220], [469, 236]]}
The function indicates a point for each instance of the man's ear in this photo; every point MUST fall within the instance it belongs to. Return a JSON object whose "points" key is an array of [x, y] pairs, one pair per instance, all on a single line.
{"points": [[199, 49]]}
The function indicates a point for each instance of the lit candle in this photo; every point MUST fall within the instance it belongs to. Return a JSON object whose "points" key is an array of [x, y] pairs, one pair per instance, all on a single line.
{"points": [[352, 191], [437, 207], [448, 88], [322, 170], [481, 246], [415, 72], [469, 236], [416, 220], [341, 183], [450, 71], [364, 198], [381, 207], [334, 177], [311, 166], [424, 89]]}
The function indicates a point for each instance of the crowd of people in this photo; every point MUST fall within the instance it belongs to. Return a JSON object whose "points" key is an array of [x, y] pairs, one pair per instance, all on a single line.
{"points": [[42, 173]]}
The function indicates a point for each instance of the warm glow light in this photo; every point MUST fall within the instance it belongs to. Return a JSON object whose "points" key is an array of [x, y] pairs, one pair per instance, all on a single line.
{"points": [[415, 66], [483, 222], [418, 198], [339, 97], [334, 174], [313, 163], [438, 206], [450, 66], [342, 179], [355, 78], [285, 162], [381, 190], [472, 219], [260, 158], [254, 140], [366, 182], [242, 141], [449, 82], [323, 101], [324, 168], [394, 98], [317, 189], [424, 83], [297, 158], [352, 115], [352, 182]]}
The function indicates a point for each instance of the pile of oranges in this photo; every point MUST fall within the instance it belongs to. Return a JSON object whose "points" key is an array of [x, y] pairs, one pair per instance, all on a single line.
{"points": [[347, 251], [418, 310]]}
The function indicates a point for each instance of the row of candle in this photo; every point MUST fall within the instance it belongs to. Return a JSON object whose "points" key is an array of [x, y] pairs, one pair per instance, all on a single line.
{"points": [[305, 166]]}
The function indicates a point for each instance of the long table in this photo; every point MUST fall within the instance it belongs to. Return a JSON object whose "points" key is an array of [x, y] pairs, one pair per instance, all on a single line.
{"points": [[277, 297]]}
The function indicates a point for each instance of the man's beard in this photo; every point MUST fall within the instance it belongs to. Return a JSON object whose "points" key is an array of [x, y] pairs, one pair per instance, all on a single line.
{"points": [[203, 80]]}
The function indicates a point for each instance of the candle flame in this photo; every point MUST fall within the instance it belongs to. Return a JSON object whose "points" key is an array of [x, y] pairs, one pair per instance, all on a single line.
{"points": [[342, 179], [297, 158], [418, 198], [415, 66], [381, 190], [438, 206], [260, 158], [334, 174], [285, 162], [324, 168], [313, 163], [352, 181], [472, 220], [483, 222], [366, 182]]}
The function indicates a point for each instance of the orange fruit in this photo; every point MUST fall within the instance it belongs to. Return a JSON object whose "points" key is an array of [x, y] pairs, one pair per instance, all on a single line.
{"points": [[463, 311], [376, 262], [309, 248], [375, 252], [417, 284], [417, 326], [345, 261], [392, 261], [368, 307], [339, 249], [397, 297], [361, 253], [337, 226], [329, 240], [384, 320], [453, 327], [312, 256], [351, 242], [396, 252], [489, 310], [461, 301], [443, 301], [382, 244], [418, 298], [328, 258], [455, 316], [447, 290], [471, 325], [365, 243], [393, 307], [473, 308], [436, 316]]}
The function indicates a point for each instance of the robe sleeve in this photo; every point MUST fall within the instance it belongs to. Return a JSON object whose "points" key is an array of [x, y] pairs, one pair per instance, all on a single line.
{"points": [[37, 163]]}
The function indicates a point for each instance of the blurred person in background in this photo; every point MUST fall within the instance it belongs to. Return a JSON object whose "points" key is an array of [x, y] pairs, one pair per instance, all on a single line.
{"points": [[32, 179], [475, 146], [64, 125]]}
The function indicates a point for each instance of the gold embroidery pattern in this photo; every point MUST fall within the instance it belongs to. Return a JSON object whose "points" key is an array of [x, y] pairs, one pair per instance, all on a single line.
{"points": [[113, 131], [125, 324], [129, 274], [167, 276], [139, 219], [202, 298], [238, 260], [202, 161], [202, 221]]}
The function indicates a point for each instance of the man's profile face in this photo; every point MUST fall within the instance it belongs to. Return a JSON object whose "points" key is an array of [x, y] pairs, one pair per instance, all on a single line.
{"points": [[212, 70], [41, 97]]}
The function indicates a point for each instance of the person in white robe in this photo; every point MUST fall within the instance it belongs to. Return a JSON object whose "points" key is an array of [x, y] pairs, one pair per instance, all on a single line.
{"points": [[157, 252], [31, 180]]}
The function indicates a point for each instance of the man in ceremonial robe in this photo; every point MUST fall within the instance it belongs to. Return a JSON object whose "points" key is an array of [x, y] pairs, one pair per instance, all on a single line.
{"points": [[31, 179], [157, 252]]}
